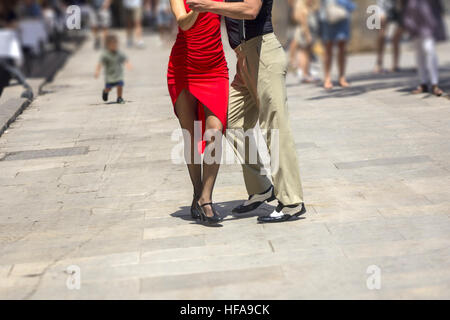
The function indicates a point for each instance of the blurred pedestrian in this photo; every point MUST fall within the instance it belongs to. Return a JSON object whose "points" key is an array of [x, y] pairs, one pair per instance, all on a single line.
{"points": [[100, 20], [133, 17], [391, 12], [335, 30], [306, 33], [423, 20], [112, 60], [9, 68], [164, 20]]}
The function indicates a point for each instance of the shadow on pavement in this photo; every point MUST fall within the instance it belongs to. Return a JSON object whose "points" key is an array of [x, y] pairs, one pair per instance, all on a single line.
{"points": [[406, 82], [225, 210]]}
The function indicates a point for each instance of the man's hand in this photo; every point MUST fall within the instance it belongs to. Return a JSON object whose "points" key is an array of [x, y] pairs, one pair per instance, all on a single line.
{"points": [[199, 5], [246, 9]]}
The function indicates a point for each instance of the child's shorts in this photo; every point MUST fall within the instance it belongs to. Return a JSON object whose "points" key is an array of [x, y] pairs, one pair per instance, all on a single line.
{"points": [[111, 85]]}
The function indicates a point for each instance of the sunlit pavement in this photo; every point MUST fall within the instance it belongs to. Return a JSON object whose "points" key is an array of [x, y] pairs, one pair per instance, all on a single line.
{"points": [[89, 195]]}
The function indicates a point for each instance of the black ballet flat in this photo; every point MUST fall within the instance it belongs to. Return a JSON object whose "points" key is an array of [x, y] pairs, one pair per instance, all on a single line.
{"points": [[216, 218], [195, 214]]}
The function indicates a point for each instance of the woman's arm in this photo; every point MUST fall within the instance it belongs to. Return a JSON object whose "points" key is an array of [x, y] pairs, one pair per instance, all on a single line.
{"points": [[185, 20]]}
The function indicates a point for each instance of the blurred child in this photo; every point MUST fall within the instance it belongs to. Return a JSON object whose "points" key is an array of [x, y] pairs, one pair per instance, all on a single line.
{"points": [[113, 61]]}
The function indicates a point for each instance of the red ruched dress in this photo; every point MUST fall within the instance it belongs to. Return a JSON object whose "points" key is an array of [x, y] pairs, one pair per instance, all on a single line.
{"points": [[197, 63]]}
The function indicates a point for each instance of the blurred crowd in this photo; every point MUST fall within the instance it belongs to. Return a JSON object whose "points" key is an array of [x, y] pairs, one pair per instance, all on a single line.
{"points": [[100, 15], [30, 28], [33, 28], [321, 26]]}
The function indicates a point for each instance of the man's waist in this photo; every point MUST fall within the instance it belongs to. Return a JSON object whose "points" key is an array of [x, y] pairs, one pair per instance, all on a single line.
{"points": [[250, 34], [252, 42]]}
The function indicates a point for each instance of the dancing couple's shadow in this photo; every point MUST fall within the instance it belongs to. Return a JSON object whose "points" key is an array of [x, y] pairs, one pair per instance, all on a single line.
{"points": [[225, 210]]}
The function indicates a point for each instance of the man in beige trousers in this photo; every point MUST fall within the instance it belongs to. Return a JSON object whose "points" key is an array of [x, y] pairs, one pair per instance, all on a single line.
{"points": [[258, 92]]}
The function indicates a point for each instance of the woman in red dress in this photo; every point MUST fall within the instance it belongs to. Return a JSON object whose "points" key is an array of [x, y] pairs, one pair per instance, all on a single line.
{"points": [[198, 85]]}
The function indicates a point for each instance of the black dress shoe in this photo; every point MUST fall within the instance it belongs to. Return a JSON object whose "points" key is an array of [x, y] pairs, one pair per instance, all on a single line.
{"points": [[255, 200], [214, 219], [283, 213]]}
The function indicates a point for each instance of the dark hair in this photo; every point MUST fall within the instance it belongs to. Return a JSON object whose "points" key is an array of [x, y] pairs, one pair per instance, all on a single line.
{"points": [[111, 38]]}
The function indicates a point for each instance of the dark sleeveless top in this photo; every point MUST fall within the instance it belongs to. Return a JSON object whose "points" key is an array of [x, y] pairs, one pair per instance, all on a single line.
{"points": [[247, 29]]}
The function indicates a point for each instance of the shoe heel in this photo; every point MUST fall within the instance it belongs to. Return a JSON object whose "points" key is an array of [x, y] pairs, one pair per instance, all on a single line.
{"points": [[209, 220]]}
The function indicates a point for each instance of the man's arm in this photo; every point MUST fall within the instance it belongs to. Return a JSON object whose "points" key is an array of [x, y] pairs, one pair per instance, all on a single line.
{"points": [[247, 9]]}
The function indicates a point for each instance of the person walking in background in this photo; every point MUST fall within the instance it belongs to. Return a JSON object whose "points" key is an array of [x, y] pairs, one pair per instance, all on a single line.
{"points": [[164, 21], [100, 20], [198, 82], [306, 33], [113, 61], [8, 67], [133, 17], [423, 21], [335, 30], [391, 12]]}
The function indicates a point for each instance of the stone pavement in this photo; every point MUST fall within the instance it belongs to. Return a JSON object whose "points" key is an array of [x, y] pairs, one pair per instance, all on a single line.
{"points": [[89, 184]]}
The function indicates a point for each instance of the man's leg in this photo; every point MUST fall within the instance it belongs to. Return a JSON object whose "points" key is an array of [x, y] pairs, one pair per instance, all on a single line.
{"points": [[242, 116], [271, 88]]}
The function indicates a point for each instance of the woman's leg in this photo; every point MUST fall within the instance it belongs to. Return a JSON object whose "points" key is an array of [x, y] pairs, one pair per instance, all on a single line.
{"points": [[327, 83], [342, 61], [211, 158], [186, 107]]}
